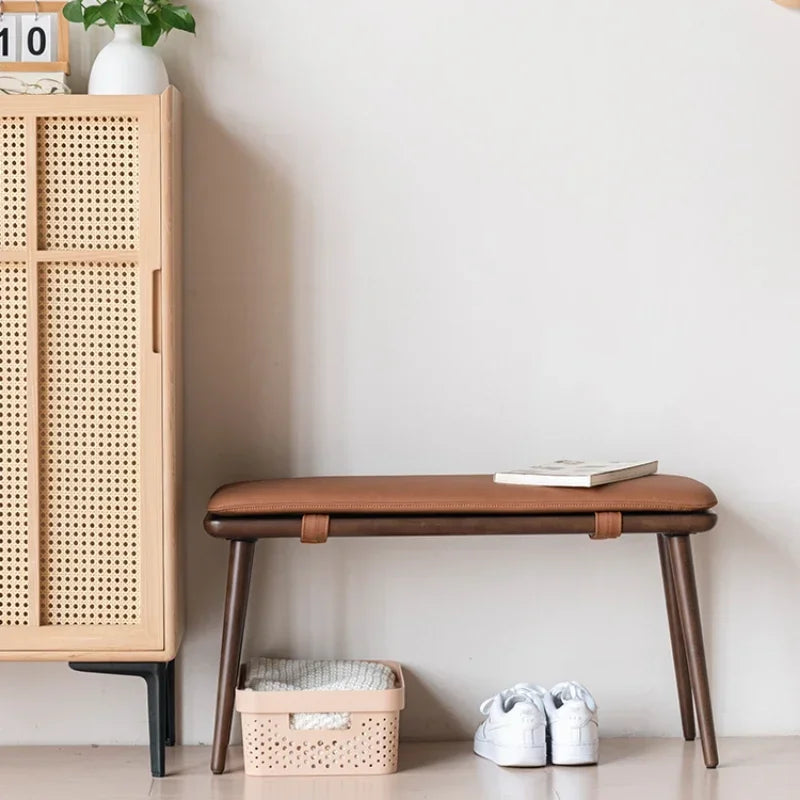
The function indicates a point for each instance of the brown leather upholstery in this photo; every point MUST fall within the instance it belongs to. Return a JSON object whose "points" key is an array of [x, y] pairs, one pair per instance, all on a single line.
{"points": [[453, 494]]}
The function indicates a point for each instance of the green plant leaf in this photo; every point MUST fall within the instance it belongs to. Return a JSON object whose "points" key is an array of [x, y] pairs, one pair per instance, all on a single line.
{"points": [[151, 32], [109, 11], [178, 17], [91, 15], [73, 11], [134, 15]]}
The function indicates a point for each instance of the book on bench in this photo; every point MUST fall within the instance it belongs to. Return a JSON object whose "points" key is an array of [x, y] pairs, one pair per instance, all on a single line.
{"points": [[579, 474]]}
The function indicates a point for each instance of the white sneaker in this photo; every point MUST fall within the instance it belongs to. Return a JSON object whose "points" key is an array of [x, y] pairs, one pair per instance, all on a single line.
{"points": [[572, 724], [514, 732]]}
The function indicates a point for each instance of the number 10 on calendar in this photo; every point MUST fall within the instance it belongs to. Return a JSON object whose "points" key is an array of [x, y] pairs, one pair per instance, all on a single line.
{"points": [[33, 36]]}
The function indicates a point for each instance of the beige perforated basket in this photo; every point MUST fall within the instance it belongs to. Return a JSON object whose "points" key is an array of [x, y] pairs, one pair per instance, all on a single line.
{"points": [[367, 747]]}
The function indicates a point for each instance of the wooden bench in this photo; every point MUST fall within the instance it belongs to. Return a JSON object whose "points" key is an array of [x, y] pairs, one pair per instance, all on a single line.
{"points": [[312, 509]]}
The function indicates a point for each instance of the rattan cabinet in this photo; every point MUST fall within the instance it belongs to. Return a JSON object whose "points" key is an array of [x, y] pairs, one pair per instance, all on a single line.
{"points": [[90, 383]]}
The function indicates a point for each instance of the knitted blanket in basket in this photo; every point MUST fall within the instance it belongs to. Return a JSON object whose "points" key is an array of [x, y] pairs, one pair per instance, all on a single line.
{"points": [[290, 675]]}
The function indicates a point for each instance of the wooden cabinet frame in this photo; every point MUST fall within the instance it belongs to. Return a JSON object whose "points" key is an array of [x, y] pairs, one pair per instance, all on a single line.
{"points": [[93, 221]]}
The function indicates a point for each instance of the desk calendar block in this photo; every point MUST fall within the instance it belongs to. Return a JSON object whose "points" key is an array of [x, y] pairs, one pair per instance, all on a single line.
{"points": [[34, 37]]}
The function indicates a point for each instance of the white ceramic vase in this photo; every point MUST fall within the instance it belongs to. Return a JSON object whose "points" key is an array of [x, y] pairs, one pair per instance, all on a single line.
{"points": [[126, 66]]}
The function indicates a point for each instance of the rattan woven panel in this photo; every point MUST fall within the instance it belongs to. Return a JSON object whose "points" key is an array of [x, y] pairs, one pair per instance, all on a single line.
{"points": [[12, 184], [89, 443], [88, 183], [14, 582]]}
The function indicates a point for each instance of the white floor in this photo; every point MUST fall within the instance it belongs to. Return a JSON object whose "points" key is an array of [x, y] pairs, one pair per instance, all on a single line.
{"points": [[630, 769]]}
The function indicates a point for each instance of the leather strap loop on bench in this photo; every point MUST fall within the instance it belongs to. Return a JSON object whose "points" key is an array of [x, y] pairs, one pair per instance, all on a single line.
{"points": [[314, 528], [607, 525]]}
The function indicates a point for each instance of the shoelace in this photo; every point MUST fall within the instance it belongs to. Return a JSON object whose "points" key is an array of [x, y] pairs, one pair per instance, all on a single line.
{"points": [[521, 693], [572, 690]]}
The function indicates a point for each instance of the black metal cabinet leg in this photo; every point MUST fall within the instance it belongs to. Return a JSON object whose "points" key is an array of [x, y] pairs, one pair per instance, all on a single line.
{"points": [[159, 697], [157, 716], [169, 739]]}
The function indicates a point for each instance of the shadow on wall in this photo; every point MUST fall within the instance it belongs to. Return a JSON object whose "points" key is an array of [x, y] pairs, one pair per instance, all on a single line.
{"points": [[425, 705], [238, 287], [768, 580], [238, 268]]}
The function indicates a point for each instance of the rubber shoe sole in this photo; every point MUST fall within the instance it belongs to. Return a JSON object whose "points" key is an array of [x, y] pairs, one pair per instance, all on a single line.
{"points": [[511, 756], [573, 755]]}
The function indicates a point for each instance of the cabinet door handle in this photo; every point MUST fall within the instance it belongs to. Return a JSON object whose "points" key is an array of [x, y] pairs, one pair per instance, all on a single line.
{"points": [[157, 311]]}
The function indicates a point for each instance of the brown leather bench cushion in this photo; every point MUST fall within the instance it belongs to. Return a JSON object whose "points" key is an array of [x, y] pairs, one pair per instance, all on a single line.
{"points": [[452, 494]]}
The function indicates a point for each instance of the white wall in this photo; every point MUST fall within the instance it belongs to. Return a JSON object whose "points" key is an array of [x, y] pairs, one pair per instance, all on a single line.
{"points": [[455, 236]]}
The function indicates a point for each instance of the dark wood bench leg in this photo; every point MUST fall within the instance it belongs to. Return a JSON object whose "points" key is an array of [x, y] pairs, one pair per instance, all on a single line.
{"points": [[678, 642], [680, 556], [240, 564]]}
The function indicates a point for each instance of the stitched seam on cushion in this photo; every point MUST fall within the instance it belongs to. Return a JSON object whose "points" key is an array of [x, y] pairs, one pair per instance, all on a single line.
{"points": [[390, 508]]}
